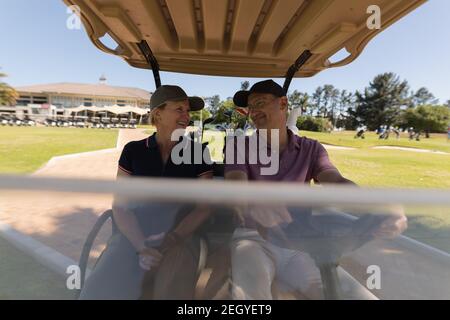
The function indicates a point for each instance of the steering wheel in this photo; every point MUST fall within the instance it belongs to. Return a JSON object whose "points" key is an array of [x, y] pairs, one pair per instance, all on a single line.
{"points": [[326, 236]]}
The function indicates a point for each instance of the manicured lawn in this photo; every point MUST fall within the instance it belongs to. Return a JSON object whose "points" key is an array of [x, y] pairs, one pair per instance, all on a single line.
{"points": [[397, 168], [389, 168], [23, 150], [393, 168], [437, 142], [375, 167], [26, 149], [430, 225], [215, 141], [21, 277]]}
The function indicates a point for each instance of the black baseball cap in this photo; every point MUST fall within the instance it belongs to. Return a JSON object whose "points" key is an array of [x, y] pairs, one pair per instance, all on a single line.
{"points": [[174, 93], [240, 99]]}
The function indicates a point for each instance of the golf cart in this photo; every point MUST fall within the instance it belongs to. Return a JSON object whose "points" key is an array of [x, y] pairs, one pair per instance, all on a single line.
{"points": [[115, 122], [95, 122], [252, 38], [105, 121], [132, 124]]}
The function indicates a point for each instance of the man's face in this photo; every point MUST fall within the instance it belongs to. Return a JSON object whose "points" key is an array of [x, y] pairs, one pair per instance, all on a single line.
{"points": [[267, 111]]}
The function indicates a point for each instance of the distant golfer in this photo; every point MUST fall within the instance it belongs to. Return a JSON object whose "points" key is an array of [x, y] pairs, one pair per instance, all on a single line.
{"points": [[396, 131], [411, 133], [384, 132], [360, 132]]}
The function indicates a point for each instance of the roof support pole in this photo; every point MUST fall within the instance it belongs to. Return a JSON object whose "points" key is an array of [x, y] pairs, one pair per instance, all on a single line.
{"points": [[152, 62], [301, 60]]}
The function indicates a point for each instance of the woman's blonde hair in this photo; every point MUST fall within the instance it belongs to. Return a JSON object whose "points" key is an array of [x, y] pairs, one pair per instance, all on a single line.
{"points": [[151, 118]]}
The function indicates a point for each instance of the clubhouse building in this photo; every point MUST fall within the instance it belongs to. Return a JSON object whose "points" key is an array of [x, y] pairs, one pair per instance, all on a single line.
{"points": [[64, 99]]}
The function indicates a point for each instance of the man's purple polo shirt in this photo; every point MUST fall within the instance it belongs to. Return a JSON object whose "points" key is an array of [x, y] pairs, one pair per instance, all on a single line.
{"points": [[302, 161]]}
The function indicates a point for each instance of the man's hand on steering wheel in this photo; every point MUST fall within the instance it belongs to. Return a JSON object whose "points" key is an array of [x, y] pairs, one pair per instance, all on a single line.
{"points": [[394, 224]]}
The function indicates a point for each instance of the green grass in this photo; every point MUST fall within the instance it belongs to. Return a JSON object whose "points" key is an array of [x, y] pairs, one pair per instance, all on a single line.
{"points": [[430, 225], [393, 168], [23, 150], [215, 141], [389, 168], [21, 277], [26, 149], [437, 142], [396, 168], [374, 167], [364, 165]]}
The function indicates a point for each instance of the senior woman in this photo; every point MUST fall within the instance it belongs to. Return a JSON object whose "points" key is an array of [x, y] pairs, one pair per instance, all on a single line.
{"points": [[156, 239]]}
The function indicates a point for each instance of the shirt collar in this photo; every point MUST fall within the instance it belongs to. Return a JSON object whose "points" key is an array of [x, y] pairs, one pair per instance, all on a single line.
{"points": [[293, 142], [150, 142]]}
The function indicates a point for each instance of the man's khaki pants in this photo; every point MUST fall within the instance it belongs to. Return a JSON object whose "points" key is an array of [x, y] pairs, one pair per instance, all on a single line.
{"points": [[256, 263]]}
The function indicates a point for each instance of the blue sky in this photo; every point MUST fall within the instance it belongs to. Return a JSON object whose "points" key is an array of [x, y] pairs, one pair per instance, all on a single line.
{"points": [[36, 47]]}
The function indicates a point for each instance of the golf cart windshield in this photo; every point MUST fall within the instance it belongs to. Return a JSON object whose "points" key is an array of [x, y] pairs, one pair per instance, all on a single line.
{"points": [[337, 228]]}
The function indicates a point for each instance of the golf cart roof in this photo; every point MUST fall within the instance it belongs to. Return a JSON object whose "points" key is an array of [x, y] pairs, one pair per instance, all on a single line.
{"points": [[246, 38]]}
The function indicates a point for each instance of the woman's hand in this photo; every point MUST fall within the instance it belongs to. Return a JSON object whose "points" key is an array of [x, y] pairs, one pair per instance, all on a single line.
{"points": [[150, 257]]}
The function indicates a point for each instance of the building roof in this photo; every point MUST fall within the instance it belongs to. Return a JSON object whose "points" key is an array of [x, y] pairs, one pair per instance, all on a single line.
{"points": [[113, 109], [87, 89]]}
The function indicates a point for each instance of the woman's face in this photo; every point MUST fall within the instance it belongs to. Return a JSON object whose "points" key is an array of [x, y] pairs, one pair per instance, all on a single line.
{"points": [[175, 115]]}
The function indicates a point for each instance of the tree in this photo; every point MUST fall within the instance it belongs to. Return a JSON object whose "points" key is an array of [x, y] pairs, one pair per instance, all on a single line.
{"points": [[225, 107], [346, 105], [228, 107], [331, 96], [381, 103], [423, 97], [309, 123], [8, 95], [427, 118], [346, 102], [299, 99], [213, 103], [200, 115], [324, 101], [448, 103], [316, 101]]}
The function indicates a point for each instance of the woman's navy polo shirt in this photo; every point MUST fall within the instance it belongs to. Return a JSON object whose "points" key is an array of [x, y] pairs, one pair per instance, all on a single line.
{"points": [[143, 158]]}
